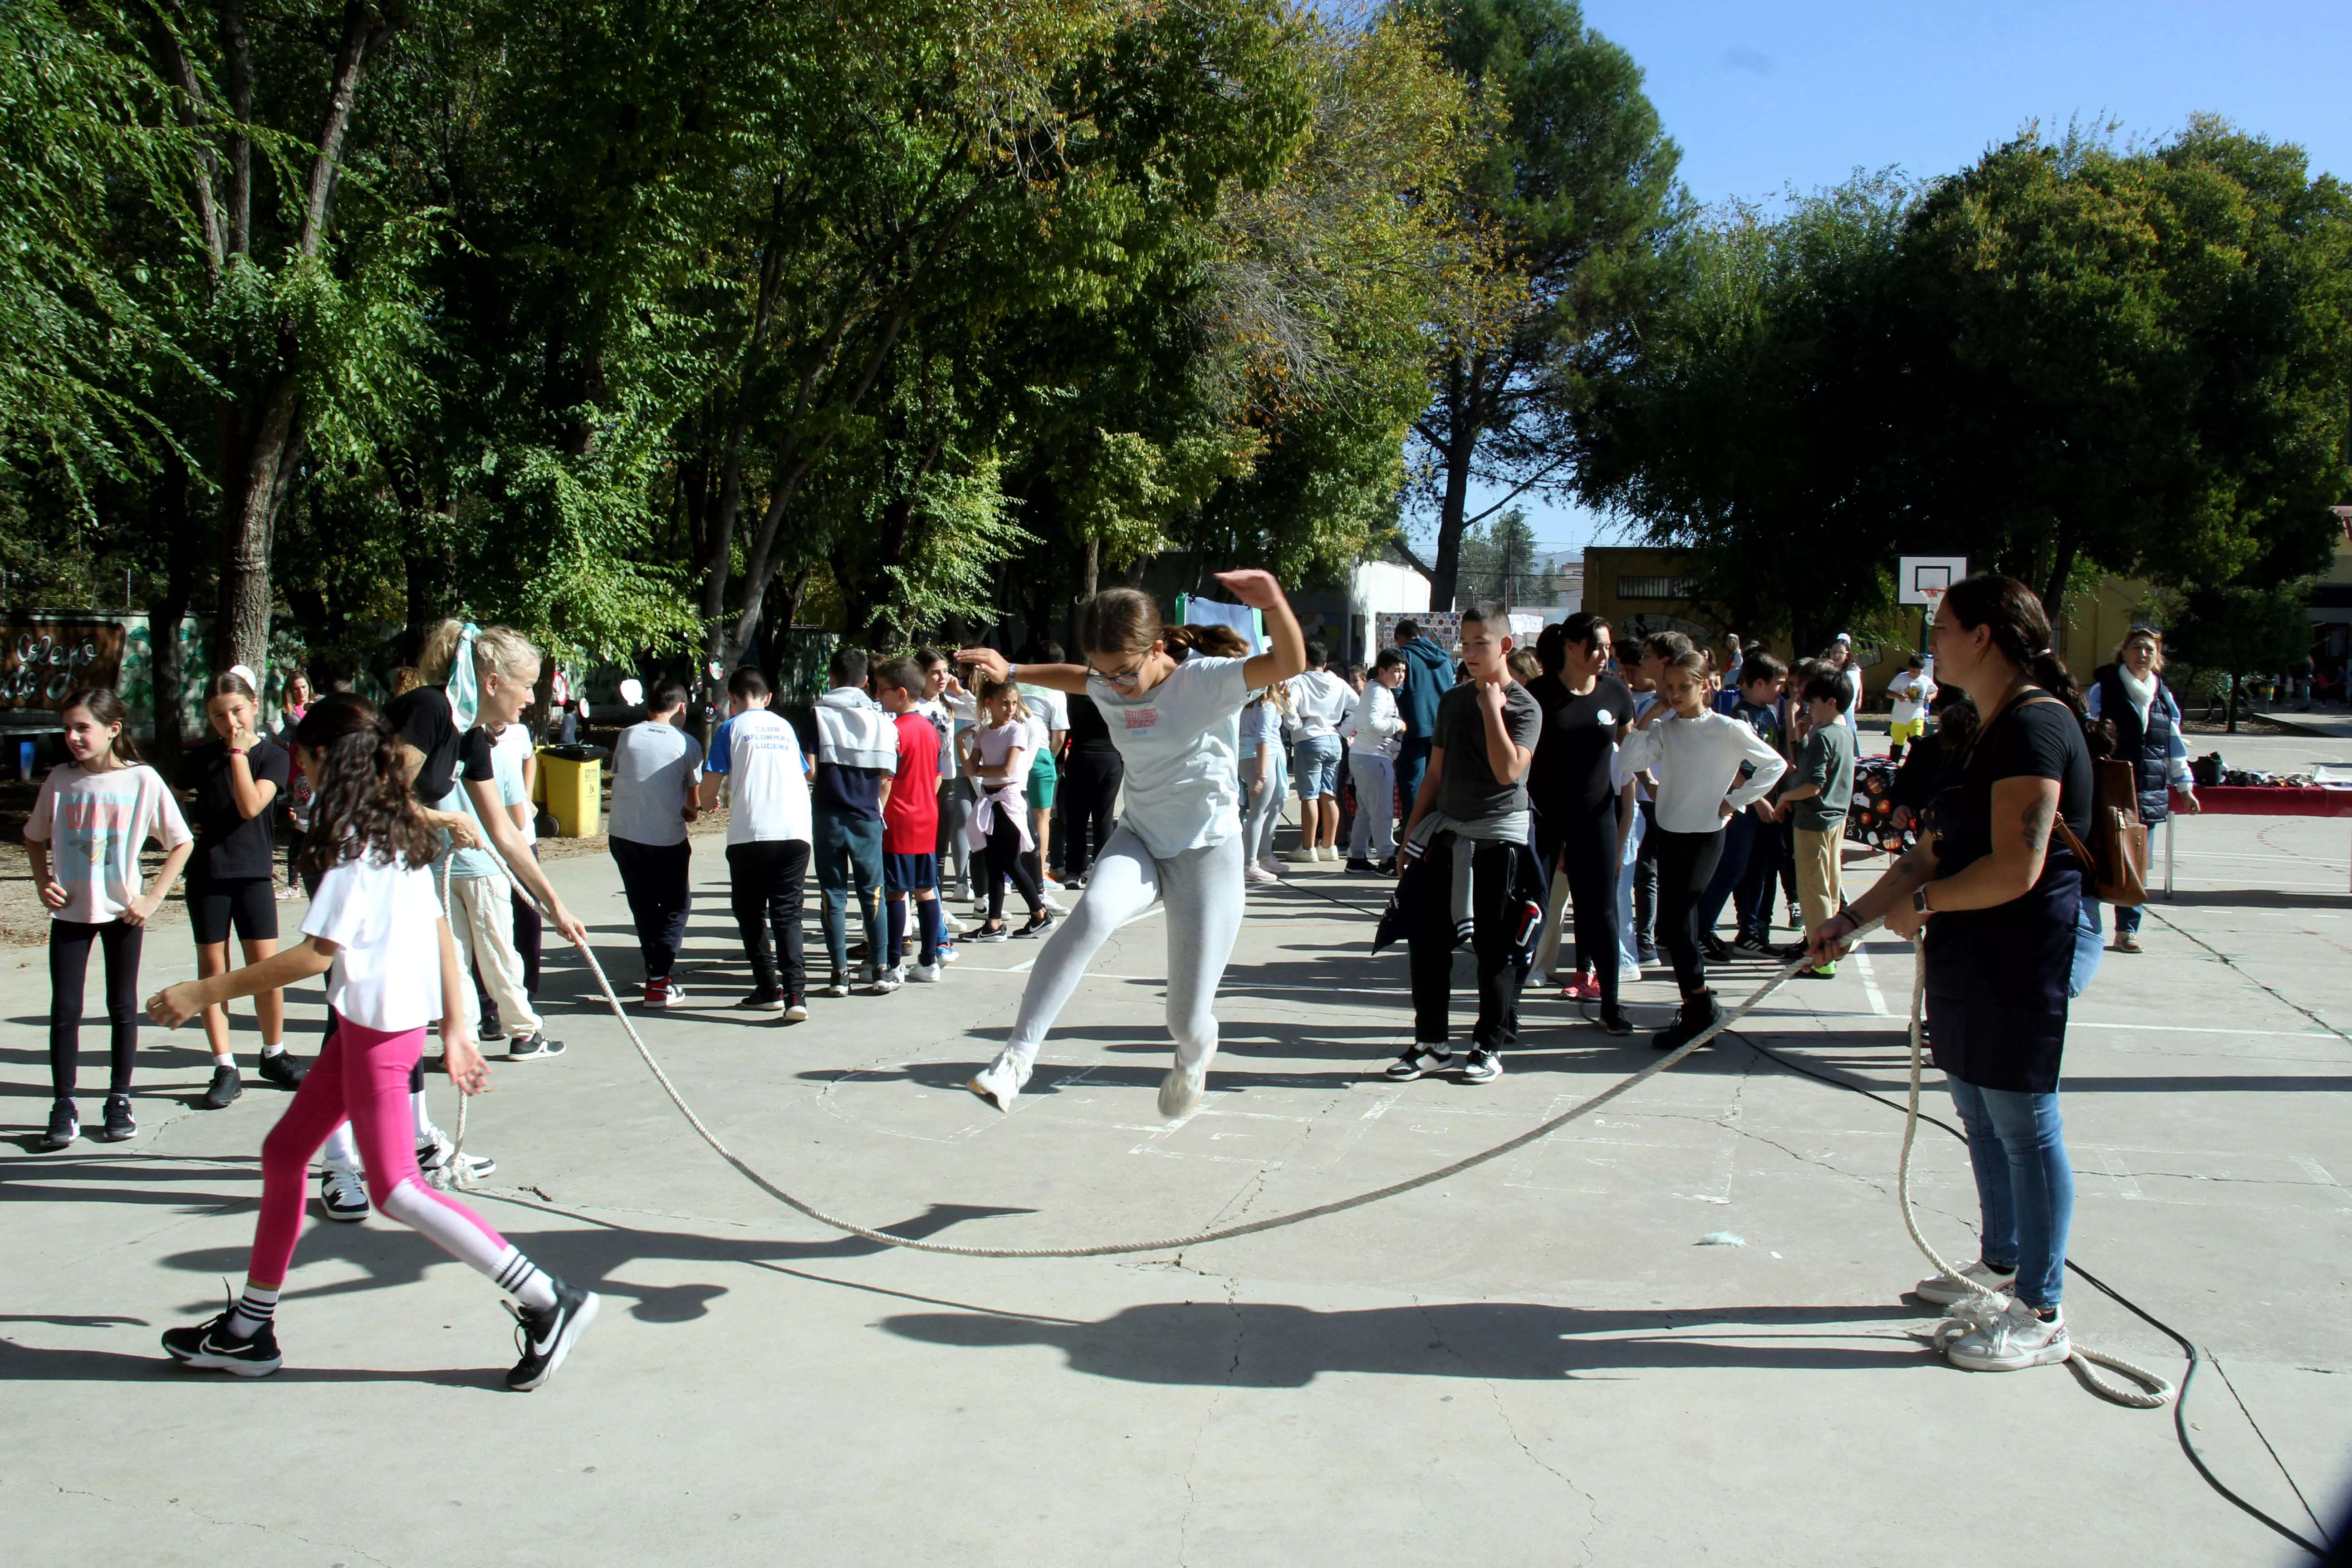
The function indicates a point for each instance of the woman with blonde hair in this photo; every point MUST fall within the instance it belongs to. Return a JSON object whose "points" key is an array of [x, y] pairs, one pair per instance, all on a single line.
{"points": [[1180, 838]]}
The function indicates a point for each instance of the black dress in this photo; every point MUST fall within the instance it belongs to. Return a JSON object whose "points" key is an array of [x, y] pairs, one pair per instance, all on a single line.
{"points": [[1997, 977]]}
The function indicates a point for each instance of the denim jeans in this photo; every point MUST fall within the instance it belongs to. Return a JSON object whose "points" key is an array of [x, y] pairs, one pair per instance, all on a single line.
{"points": [[1316, 761], [2126, 920], [2026, 1184], [849, 854], [2090, 946]]}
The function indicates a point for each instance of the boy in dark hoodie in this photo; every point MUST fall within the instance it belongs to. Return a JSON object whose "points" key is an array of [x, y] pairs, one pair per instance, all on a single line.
{"points": [[856, 757]]}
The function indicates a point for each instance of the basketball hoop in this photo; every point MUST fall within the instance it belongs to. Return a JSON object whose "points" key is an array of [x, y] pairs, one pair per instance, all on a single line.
{"points": [[1933, 597]]}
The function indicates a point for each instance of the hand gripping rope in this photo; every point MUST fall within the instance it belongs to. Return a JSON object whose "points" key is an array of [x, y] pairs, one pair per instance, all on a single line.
{"points": [[1987, 1305]]}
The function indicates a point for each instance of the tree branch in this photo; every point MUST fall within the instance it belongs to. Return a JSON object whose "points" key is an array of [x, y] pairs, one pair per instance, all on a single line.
{"points": [[362, 34]]}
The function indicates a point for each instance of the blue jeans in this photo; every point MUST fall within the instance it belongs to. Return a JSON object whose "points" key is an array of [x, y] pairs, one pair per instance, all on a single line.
{"points": [[2126, 920], [2026, 1184], [2090, 946], [1316, 761], [1739, 837], [849, 854]]}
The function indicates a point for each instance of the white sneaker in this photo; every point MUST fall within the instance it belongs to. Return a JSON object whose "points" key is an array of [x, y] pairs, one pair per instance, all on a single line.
{"points": [[2016, 1339], [1045, 896], [839, 987], [924, 974], [884, 981], [343, 1194], [1000, 1082], [1269, 865], [1182, 1092], [1305, 855], [434, 1156], [1944, 1289], [1258, 876], [1329, 852]]}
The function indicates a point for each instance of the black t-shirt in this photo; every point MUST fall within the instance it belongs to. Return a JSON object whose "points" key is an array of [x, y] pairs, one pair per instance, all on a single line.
{"points": [[422, 717], [1570, 774], [228, 843], [1088, 732], [1469, 792], [2032, 738]]}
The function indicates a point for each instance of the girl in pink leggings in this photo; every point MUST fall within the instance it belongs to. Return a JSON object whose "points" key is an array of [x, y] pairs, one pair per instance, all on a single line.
{"points": [[375, 930]]}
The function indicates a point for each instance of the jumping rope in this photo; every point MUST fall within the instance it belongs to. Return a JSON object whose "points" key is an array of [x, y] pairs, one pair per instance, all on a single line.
{"points": [[1985, 1307]]}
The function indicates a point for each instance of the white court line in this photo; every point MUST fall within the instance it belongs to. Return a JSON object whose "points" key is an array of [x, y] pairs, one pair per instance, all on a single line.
{"points": [[1870, 984]]}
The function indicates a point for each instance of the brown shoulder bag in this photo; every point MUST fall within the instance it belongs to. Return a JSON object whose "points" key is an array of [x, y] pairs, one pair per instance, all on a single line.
{"points": [[2116, 859]]}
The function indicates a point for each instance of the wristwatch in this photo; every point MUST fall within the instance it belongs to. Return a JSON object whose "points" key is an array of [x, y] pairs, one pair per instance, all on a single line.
{"points": [[1919, 899]]}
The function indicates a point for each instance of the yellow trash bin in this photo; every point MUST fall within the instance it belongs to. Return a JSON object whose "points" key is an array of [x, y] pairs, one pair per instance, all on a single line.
{"points": [[571, 779]]}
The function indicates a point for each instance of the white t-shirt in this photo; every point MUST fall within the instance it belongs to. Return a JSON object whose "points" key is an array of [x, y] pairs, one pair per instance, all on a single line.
{"points": [[767, 781], [1697, 761], [1912, 693], [95, 824], [514, 748], [1181, 745], [654, 766], [1321, 699], [385, 922], [1044, 702]]}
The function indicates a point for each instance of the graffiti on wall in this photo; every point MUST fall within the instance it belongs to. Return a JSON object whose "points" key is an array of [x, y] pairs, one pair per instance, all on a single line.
{"points": [[43, 662]]}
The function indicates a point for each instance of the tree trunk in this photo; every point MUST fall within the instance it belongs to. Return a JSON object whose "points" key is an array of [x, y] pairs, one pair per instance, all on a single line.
{"points": [[2233, 705], [1463, 428], [2062, 568], [250, 516]]}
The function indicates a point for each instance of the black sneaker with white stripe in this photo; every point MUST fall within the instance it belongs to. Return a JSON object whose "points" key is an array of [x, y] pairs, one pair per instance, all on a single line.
{"points": [[210, 1347], [545, 1337]]}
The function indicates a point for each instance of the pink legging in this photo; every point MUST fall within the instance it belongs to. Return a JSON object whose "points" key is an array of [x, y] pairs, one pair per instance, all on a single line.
{"points": [[360, 1074]]}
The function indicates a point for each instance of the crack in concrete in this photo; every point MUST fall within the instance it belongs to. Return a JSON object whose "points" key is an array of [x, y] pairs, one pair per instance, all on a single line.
{"points": [[1511, 1430], [1232, 1372], [225, 1524]]}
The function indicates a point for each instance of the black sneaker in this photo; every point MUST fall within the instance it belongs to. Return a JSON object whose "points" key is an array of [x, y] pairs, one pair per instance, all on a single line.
{"points": [[343, 1194], [545, 1337], [1037, 922], [1614, 1023], [1647, 954], [1360, 863], [491, 1028], [534, 1047], [1387, 868], [211, 1347], [120, 1124], [1752, 945], [989, 934], [64, 1126], [221, 1092], [1484, 1065], [1699, 1015], [1419, 1059], [795, 1008], [1711, 946], [763, 1002], [284, 1069]]}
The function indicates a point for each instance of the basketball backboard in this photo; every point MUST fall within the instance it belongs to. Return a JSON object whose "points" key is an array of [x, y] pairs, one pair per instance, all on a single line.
{"points": [[1922, 579]]}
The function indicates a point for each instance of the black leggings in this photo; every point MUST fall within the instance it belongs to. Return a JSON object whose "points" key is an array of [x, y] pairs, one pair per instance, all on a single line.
{"points": [[1090, 788], [1002, 858], [1587, 854], [1686, 863], [68, 968]]}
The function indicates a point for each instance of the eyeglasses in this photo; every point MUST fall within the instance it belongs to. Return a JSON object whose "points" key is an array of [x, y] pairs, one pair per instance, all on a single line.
{"points": [[1130, 676]]}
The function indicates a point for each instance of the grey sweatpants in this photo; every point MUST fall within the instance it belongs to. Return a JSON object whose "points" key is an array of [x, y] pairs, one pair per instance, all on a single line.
{"points": [[1203, 889]]}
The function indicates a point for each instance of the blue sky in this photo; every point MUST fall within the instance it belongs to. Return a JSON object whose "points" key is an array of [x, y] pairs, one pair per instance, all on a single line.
{"points": [[1765, 98]]}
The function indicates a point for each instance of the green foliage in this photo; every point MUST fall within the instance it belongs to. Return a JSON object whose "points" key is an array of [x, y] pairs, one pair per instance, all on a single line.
{"points": [[2064, 357]]}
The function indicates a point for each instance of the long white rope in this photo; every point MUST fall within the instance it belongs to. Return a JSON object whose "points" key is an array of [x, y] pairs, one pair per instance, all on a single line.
{"points": [[1986, 1305]]}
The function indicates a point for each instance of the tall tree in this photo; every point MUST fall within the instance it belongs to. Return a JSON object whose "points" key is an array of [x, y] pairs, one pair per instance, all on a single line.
{"points": [[1579, 189]]}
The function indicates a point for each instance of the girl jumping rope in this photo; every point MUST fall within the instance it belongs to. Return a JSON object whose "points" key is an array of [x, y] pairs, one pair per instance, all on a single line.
{"points": [[1180, 838], [93, 816], [376, 930]]}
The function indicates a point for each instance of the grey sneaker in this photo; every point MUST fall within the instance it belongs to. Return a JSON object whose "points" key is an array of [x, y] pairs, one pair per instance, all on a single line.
{"points": [[1945, 1290], [534, 1047], [1182, 1092]]}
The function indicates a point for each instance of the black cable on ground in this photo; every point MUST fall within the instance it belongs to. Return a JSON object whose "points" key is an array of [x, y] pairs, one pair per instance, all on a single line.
{"points": [[2180, 1403]]}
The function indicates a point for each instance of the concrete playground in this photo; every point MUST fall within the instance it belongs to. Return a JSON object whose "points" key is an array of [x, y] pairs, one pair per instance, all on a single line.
{"points": [[1543, 1360]]}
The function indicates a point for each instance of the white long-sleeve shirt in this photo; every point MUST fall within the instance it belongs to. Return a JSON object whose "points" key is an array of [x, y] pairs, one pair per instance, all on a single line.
{"points": [[1697, 761], [1373, 726]]}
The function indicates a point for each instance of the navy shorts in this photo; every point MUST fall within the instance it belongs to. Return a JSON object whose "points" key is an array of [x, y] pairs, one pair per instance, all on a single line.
{"points": [[910, 873]]}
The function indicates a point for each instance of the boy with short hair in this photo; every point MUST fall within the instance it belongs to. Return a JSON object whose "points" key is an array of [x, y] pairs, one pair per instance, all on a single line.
{"points": [[1817, 801], [910, 825], [1374, 729], [1474, 802], [758, 756], [1909, 693], [1748, 838]]}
